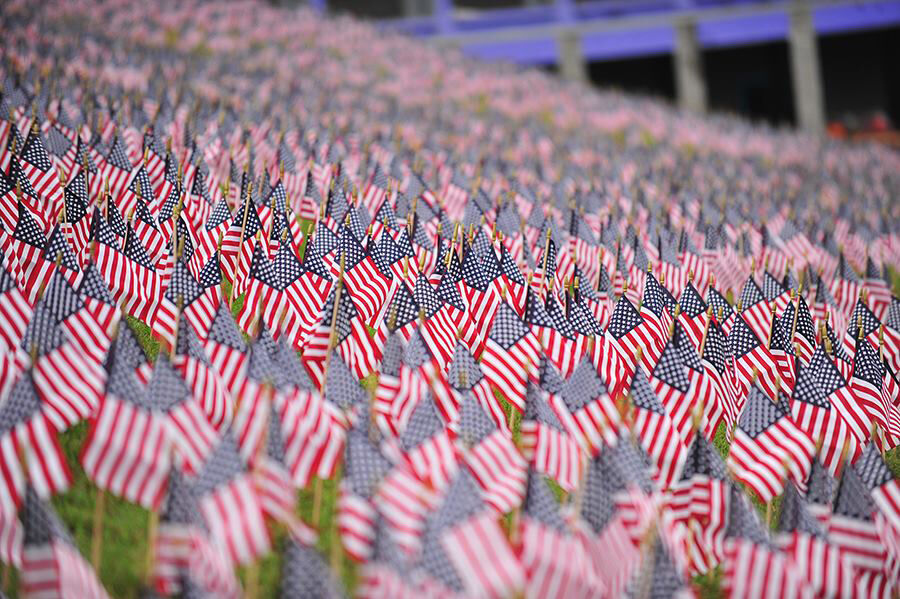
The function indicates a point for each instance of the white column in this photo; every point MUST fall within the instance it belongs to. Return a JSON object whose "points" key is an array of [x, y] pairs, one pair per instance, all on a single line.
{"points": [[809, 103], [689, 81], [571, 57]]}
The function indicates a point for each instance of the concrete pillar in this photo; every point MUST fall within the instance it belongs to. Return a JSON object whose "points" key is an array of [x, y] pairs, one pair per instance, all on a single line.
{"points": [[689, 81], [571, 57], [809, 103]]}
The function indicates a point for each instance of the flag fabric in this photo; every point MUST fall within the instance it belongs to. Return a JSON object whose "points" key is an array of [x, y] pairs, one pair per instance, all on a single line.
{"points": [[819, 418], [51, 563], [553, 560], [494, 460], [244, 276], [700, 498], [657, 432], [820, 564], [510, 354], [128, 452], [768, 446], [546, 443], [586, 409], [465, 549], [230, 504]]}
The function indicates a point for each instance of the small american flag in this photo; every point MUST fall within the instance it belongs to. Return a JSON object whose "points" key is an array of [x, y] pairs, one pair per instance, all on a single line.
{"points": [[51, 563]]}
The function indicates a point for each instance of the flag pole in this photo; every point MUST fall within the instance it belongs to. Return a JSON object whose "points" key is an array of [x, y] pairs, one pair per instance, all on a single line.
{"points": [[100, 503], [252, 583], [317, 489], [705, 331], [97, 530], [546, 257], [796, 313], [241, 242]]}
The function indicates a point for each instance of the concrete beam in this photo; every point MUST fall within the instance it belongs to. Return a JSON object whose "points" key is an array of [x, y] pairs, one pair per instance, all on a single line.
{"points": [[689, 81], [806, 76], [571, 56]]}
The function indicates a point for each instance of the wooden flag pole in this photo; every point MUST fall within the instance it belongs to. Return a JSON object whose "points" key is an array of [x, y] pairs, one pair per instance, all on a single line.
{"points": [[241, 241], [334, 315], [546, 257], [152, 528], [97, 529], [796, 313], [705, 331], [317, 488], [252, 583]]}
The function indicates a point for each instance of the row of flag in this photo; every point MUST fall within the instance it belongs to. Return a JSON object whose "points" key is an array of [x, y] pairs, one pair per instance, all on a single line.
{"points": [[507, 316]]}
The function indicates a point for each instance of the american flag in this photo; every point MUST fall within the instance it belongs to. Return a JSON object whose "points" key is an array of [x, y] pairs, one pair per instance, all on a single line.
{"points": [[841, 398], [29, 241], [427, 445], [68, 382], [554, 561], [305, 574], [657, 432], [128, 452], [491, 456], [852, 524], [885, 494], [671, 381], [419, 304], [37, 166], [768, 446], [586, 409], [820, 564], [185, 556], [546, 443], [510, 353], [368, 286], [464, 548], [230, 504], [748, 550], [753, 362], [700, 499], [51, 563], [364, 468], [819, 418], [628, 331]]}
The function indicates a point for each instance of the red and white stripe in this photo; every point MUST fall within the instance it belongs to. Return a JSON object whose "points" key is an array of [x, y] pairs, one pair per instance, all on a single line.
{"points": [[555, 564], [552, 452], [127, 452], [235, 519], [191, 434], [662, 442], [859, 542], [356, 524], [753, 571], [762, 463], [434, 461], [56, 569], [482, 557], [70, 384], [404, 502], [593, 425], [313, 436], [821, 565], [500, 470]]}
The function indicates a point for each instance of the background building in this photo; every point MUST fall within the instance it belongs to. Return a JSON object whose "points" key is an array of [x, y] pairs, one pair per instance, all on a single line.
{"points": [[807, 63]]}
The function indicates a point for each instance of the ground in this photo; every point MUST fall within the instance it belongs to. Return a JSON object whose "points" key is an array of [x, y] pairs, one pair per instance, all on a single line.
{"points": [[123, 549]]}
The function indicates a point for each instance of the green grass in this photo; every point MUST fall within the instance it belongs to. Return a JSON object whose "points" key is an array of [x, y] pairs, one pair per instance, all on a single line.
{"points": [[123, 554]]}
